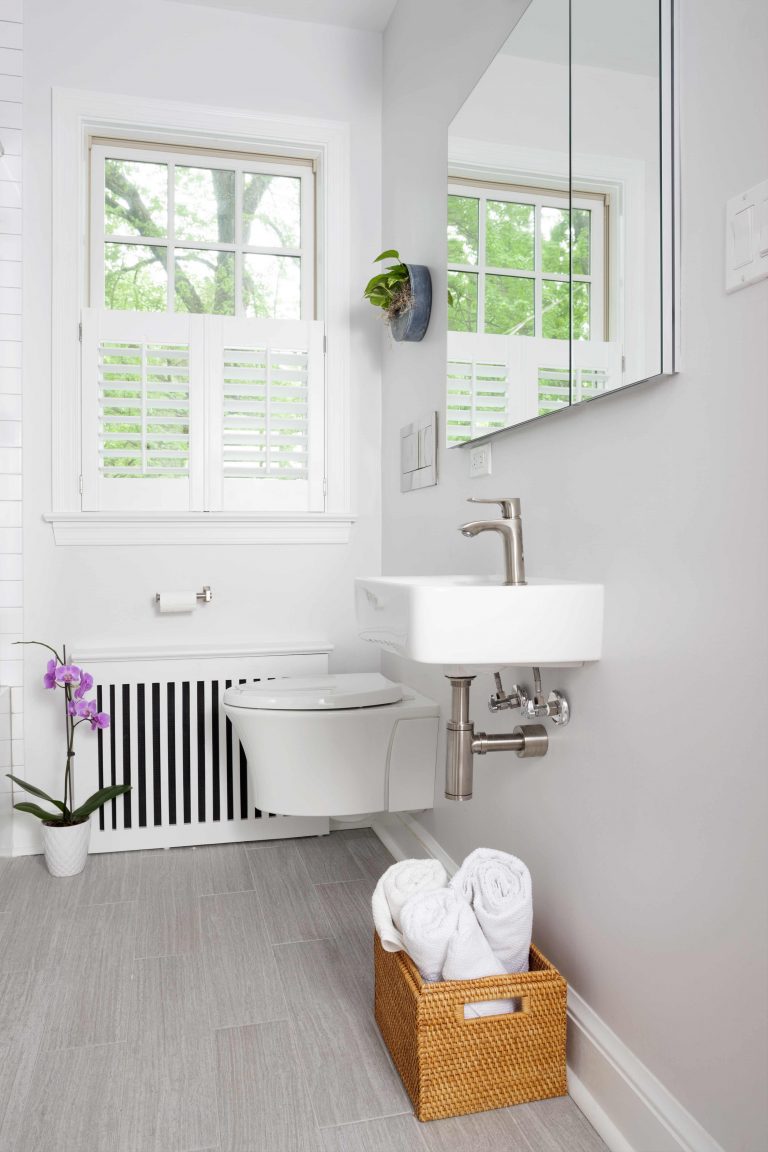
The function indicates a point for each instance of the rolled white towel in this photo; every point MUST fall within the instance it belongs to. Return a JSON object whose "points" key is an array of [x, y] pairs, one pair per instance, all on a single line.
{"points": [[398, 884], [498, 886], [429, 921], [469, 957]]}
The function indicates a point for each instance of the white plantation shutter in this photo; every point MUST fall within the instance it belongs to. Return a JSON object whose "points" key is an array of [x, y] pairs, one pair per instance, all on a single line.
{"points": [[212, 413], [267, 413], [142, 408], [494, 381]]}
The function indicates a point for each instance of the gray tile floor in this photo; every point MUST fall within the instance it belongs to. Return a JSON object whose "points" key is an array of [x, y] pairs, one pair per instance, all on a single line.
{"points": [[215, 1000]]}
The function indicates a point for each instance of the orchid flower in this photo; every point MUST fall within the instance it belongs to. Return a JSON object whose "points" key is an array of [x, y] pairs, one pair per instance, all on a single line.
{"points": [[76, 684], [86, 683]]}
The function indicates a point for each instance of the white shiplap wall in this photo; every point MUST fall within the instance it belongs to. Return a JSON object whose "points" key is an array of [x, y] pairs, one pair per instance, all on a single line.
{"points": [[10, 404]]}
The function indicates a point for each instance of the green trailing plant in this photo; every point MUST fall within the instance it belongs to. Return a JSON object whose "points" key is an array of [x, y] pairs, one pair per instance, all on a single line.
{"points": [[76, 683], [390, 290]]}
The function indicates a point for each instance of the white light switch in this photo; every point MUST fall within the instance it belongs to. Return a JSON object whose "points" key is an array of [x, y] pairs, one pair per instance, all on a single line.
{"points": [[746, 239]]}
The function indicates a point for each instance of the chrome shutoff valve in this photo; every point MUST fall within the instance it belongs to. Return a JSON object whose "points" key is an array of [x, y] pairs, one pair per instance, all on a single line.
{"points": [[540, 707]]}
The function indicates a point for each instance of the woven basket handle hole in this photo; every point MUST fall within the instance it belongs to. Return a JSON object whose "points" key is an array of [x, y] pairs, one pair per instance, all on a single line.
{"points": [[493, 1009]]}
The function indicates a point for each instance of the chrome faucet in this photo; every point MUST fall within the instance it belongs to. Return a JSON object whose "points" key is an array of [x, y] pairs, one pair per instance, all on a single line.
{"points": [[510, 528]]}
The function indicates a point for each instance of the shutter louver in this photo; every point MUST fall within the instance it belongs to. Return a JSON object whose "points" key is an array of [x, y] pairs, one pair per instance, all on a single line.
{"points": [[143, 398], [265, 413], [142, 411]]}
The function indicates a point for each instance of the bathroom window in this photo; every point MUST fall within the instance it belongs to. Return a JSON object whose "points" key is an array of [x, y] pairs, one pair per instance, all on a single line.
{"points": [[179, 231], [509, 263], [200, 321], [202, 362]]}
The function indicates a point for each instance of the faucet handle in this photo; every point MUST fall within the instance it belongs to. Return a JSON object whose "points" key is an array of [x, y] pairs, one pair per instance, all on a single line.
{"points": [[510, 505]]}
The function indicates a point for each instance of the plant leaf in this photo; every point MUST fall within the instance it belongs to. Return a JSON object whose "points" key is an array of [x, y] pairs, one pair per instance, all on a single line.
{"points": [[36, 810], [390, 254], [103, 796], [374, 283], [36, 791]]}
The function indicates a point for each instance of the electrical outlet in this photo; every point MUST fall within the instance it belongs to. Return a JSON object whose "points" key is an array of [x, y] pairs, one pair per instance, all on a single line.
{"points": [[480, 460]]}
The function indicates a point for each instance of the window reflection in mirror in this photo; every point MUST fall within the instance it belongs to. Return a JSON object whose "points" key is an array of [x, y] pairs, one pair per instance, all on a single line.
{"points": [[553, 217]]}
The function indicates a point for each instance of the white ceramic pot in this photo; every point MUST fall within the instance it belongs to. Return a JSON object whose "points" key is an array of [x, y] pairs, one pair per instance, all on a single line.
{"points": [[66, 847]]}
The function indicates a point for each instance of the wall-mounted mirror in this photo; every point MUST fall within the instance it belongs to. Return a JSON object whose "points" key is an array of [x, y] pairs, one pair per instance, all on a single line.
{"points": [[560, 216]]}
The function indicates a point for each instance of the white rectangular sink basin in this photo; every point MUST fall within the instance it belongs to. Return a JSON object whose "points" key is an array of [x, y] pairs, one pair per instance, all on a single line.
{"points": [[475, 623]]}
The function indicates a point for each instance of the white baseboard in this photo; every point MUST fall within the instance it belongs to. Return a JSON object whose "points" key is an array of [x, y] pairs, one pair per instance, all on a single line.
{"points": [[624, 1102]]}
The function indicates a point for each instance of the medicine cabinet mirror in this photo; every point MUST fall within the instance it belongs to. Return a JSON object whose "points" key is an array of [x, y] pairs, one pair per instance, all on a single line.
{"points": [[561, 221]]}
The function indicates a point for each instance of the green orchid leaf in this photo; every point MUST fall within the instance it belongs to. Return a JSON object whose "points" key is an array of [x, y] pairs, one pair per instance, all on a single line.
{"points": [[103, 796], [390, 254], [36, 791], [36, 810]]}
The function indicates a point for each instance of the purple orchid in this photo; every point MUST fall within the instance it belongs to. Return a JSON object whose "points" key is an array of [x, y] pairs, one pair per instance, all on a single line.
{"points": [[76, 684], [88, 710], [86, 683]]}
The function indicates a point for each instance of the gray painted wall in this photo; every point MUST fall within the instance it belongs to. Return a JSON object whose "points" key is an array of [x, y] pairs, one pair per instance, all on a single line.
{"points": [[645, 826]]}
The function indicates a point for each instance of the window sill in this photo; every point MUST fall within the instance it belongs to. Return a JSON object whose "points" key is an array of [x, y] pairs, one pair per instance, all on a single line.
{"points": [[113, 529]]}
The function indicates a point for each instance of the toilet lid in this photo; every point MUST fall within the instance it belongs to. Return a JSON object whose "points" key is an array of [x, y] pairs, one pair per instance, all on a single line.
{"points": [[317, 693]]}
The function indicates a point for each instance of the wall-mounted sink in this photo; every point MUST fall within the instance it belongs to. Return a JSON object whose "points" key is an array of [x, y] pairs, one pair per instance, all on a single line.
{"points": [[474, 623]]}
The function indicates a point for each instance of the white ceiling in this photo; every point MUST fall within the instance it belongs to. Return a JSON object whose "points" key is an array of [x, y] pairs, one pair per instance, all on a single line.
{"points": [[369, 15]]}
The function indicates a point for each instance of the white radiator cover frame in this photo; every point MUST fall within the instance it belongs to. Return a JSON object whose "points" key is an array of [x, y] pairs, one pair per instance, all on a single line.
{"points": [[179, 666]]}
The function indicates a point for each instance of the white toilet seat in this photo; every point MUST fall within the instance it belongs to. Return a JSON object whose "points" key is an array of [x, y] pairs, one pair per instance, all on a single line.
{"points": [[316, 693]]}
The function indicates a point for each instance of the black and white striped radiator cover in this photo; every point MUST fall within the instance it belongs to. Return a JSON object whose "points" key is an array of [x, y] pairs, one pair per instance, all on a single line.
{"points": [[170, 739]]}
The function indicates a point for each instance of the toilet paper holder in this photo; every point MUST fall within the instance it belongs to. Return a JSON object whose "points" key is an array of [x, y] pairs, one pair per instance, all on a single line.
{"points": [[204, 597]]}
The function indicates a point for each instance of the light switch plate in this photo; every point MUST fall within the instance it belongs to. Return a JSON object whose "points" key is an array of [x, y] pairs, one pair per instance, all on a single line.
{"points": [[746, 238], [418, 453]]}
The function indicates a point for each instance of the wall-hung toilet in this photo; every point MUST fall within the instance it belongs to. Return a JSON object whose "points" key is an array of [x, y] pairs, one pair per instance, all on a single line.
{"points": [[336, 745]]}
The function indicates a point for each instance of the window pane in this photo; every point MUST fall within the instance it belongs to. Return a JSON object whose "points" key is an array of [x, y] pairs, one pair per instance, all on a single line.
{"points": [[205, 204], [581, 311], [462, 313], [509, 305], [135, 198], [271, 210], [581, 252], [205, 281], [555, 298], [272, 286], [463, 230], [554, 240], [509, 239], [135, 277]]}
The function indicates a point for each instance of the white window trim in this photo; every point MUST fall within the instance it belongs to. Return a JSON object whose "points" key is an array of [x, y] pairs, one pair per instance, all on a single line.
{"points": [[80, 115]]}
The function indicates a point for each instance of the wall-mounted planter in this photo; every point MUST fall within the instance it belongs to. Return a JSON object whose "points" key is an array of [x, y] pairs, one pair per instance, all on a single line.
{"points": [[412, 323]]}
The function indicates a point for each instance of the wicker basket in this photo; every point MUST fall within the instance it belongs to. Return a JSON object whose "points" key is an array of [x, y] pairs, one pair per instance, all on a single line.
{"points": [[451, 1065]]}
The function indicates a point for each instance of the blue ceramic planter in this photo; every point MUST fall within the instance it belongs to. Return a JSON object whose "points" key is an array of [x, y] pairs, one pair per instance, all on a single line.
{"points": [[412, 324]]}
